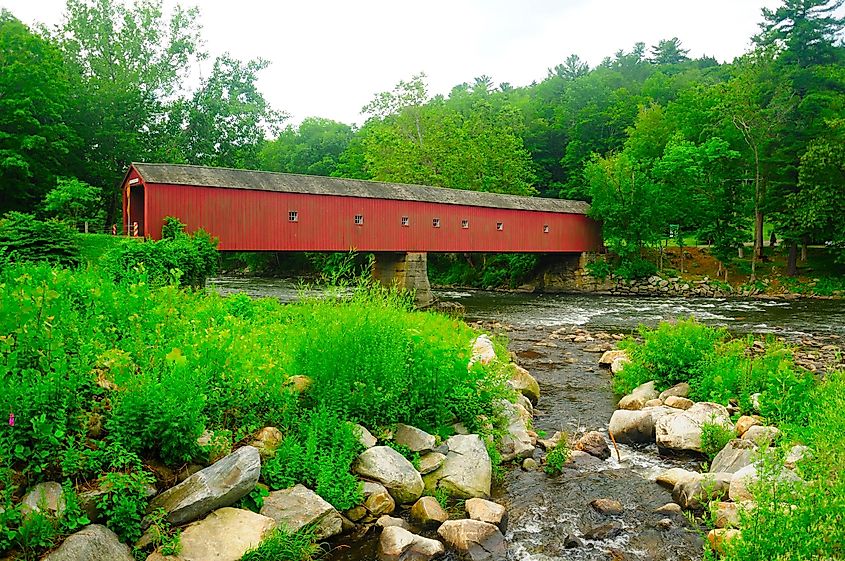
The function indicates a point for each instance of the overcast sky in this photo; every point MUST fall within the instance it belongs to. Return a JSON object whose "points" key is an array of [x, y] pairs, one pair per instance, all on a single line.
{"points": [[329, 57]]}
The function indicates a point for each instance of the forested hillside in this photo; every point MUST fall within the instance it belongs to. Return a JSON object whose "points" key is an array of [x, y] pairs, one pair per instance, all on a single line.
{"points": [[655, 140]]}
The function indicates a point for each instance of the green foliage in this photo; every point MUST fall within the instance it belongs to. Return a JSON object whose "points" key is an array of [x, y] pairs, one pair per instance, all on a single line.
{"points": [[714, 437], [283, 545], [24, 238], [668, 354], [190, 259], [255, 499], [557, 457], [74, 201], [125, 502], [599, 268], [413, 457], [633, 267], [490, 271], [163, 537]]}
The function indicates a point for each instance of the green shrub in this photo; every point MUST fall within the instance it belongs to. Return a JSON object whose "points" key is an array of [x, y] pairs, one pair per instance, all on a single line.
{"points": [[634, 268], [282, 545], [668, 354], [125, 502], [599, 268], [557, 457], [74, 201], [714, 437], [23, 238]]}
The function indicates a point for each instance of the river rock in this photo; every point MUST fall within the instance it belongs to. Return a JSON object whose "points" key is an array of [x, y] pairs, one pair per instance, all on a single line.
{"points": [[377, 500], [364, 436], [416, 440], [551, 443], [679, 402], [653, 403], [607, 506], [387, 521], [744, 480], [669, 508], [683, 430], [523, 382], [746, 422], [266, 441], [516, 442], [593, 443], [487, 511], [467, 471], [678, 390], [530, 464], [431, 461], [482, 351], [221, 484], [637, 399], [45, 498], [694, 494], [734, 456], [764, 436], [673, 476], [618, 364], [299, 383], [632, 427], [398, 544], [720, 537], [475, 539], [604, 531], [609, 356], [92, 543], [391, 469], [224, 535], [428, 513], [299, 506], [726, 514]]}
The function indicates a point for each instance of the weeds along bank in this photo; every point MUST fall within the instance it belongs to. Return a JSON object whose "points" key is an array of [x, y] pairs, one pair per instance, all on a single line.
{"points": [[773, 485], [114, 387]]}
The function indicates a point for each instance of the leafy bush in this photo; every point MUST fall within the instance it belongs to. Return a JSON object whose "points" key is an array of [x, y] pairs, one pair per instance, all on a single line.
{"points": [[490, 271], [632, 267], [599, 268], [125, 502], [714, 437], [23, 238], [283, 545], [669, 354], [557, 457], [74, 201]]}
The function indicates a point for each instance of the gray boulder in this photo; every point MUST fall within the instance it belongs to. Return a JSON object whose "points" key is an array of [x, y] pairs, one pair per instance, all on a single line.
{"points": [[467, 471], [398, 544], [516, 442], [682, 431], [745, 479], [221, 484], [593, 443], [694, 494], [364, 436], [734, 456], [608, 357], [763, 436], [45, 498], [475, 539], [391, 469], [638, 397], [487, 511], [377, 500], [416, 440], [92, 543], [431, 461], [678, 390], [299, 506], [523, 382], [632, 427], [224, 535]]}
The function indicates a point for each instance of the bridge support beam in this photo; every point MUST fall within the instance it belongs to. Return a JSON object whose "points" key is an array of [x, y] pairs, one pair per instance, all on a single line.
{"points": [[408, 271]]}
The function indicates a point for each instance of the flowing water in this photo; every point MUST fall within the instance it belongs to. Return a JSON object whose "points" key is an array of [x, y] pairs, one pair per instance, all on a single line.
{"points": [[549, 516]]}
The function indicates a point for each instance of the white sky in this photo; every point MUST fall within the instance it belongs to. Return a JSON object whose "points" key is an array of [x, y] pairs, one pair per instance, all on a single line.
{"points": [[329, 57]]}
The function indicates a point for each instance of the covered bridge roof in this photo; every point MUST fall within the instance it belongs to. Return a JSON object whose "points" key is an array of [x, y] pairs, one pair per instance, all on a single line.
{"points": [[173, 174]]}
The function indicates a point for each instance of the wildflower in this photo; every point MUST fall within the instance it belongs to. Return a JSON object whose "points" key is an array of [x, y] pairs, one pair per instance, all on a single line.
{"points": [[11, 419]]}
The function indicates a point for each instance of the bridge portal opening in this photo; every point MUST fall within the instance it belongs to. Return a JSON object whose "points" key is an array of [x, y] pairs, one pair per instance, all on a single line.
{"points": [[135, 211]]}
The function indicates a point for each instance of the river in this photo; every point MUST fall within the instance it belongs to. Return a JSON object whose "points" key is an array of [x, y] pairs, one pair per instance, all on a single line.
{"points": [[549, 516]]}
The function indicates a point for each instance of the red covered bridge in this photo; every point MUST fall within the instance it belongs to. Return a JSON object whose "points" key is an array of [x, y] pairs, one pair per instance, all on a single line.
{"points": [[261, 211]]}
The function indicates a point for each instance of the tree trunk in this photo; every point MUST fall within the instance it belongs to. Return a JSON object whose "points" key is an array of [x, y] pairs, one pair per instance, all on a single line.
{"points": [[740, 253], [758, 234], [791, 262], [803, 250]]}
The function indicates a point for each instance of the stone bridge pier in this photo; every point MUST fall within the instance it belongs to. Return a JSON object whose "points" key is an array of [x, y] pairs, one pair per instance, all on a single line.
{"points": [[408, 271]]}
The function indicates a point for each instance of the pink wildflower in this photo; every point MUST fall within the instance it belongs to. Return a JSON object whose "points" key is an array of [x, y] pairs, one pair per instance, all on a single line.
{"points": [[11, 419]]}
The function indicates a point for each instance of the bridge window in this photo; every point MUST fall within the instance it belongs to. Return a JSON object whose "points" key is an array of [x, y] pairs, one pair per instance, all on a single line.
{"points": [[436, 223], [500, 226], [464, 224], [406, 221], [545, 228], [359, 219], [293, 216]]}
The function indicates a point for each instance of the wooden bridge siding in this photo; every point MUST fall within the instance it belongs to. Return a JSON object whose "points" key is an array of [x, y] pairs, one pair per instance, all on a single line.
{"points": [[251, 220]]}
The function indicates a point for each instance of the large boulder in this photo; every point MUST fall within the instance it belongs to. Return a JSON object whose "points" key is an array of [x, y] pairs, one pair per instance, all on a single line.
{"points": [[299, 506], [632, 427], [695, 494], [475, 539], [745, 479], [224, 535], [45, 498], [391, 469], [593, 443], [364, 436], [673, 476], [221, 484], [377, 500], [92, 543], [682, 431], [734, 456], [482, 351], [516, 442], [523, 382], [608, 357], [467, 471], [487, 511], [398, 544], [638, 397], [416, 440]]}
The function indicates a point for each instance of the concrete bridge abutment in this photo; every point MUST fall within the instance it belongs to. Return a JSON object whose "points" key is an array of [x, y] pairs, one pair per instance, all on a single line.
{"points": [[408, 271]]}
